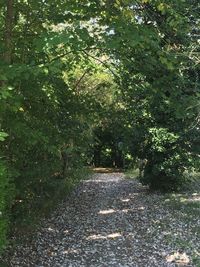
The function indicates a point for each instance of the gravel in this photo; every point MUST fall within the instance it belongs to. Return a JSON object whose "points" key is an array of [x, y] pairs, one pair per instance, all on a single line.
{"points": [[109, 221]]}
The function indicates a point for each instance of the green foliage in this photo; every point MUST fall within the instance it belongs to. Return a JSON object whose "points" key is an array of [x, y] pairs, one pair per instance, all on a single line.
{"points": [[42, 199], [3, 136], [159, 90], [75, 84], [6, 196]]}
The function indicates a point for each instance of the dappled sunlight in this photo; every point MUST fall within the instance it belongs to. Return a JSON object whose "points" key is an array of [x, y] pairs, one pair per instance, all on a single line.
{"points": [[195, 197], [96, 237], [99, 125], [133, 209], [125, 200], [99, 236], [131, 195], [106, 170], [125, 210], [107, 211], [179, 258], [97, 181], [120, 223], [116, 231], [114, 235], [52, 230], [141, 208], [71, 250], [183, 198]]}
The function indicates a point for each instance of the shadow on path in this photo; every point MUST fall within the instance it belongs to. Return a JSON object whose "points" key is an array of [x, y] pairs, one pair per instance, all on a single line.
{"points": [[107, 221]]}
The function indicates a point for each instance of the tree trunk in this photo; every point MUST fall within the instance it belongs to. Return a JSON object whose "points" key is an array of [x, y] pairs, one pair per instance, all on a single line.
{"points": [[8, 32]]}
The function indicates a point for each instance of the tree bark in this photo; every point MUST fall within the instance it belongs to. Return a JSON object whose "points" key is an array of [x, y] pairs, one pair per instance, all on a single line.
{"points": [[8, 32]]}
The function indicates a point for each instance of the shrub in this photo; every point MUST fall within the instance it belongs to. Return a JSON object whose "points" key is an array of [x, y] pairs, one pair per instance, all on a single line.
{"points": [[167, 160]]}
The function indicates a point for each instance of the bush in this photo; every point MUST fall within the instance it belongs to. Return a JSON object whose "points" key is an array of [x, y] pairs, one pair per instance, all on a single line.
{"points": [[167, 160], [165, 180]]}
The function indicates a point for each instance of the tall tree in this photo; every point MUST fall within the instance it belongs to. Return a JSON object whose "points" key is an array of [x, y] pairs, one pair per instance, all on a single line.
{"points": [[8, 31]]}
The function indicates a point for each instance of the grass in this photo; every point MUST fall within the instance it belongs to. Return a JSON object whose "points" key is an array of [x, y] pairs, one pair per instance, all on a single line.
{"points": [[131, 173], [181, 227], [185, 207]]}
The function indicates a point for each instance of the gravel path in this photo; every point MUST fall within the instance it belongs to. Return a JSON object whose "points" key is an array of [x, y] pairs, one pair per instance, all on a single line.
{"points": [[107, 221]]}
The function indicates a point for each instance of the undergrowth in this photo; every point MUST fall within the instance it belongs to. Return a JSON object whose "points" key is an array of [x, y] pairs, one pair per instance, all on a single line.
{"points": [[28, 213], [185, 205]]}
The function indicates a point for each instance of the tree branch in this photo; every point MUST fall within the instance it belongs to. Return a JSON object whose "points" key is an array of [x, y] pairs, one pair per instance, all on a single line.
{"points": [[102, 62]]}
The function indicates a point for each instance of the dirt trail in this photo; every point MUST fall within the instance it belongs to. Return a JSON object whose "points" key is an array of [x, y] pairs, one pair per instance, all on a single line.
{"points": [[108, 221]]}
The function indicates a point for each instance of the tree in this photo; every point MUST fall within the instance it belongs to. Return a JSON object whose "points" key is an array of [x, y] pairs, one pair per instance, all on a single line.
{"points": [[94, 74], [151, 40]]}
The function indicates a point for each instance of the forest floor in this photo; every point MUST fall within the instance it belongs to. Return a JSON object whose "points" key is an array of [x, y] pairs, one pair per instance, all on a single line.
{"points": [[112, 221]]}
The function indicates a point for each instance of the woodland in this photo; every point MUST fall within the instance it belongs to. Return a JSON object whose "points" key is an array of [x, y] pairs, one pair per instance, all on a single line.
{"points": [[101, 83]]}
